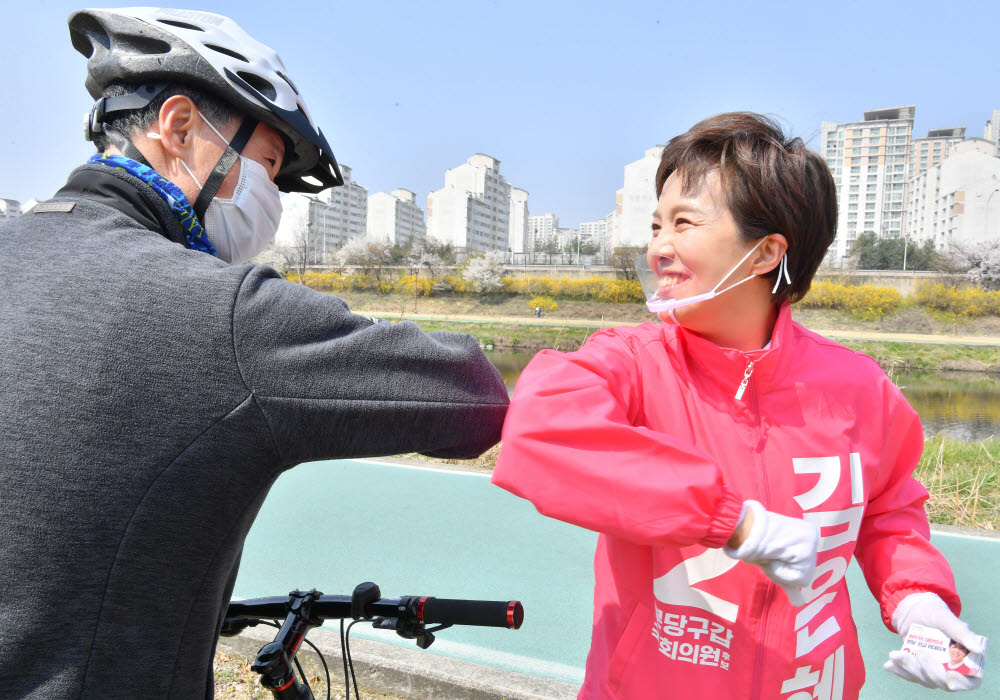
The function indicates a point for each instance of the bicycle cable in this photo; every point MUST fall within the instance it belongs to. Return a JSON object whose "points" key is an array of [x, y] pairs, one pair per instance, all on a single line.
{"points": [[350, 661], [343, 655], [326, 669]]}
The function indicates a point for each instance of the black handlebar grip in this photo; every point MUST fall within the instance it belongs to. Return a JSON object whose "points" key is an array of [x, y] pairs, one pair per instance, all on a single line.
{"points": [[481, 613]]}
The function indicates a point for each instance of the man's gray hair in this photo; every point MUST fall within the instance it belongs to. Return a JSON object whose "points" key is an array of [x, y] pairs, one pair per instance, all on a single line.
{"points": [[128, 123]]}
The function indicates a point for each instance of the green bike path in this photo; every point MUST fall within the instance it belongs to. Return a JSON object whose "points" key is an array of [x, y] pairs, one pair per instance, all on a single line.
{"points": [[451, 534], [981, 340]]}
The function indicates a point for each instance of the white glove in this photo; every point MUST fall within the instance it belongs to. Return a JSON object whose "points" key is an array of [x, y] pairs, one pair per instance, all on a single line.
{"points": [[928, 609], [784, 548], [927, 670]]}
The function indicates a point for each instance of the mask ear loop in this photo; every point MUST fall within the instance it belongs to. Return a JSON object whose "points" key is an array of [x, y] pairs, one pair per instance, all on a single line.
{"points": [[156, 136], [782, 269]]}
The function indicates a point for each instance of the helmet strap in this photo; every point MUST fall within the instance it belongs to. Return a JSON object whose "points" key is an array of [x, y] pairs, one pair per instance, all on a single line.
{"points": [[224, 165], [127, 148], [142, 96]]}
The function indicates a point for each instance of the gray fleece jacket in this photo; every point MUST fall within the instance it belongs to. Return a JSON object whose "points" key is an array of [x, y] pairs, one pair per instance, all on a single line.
{"points": [[150, 395]]}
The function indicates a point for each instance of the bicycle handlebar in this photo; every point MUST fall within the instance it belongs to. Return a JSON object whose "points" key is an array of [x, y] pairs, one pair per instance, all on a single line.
{"points": [[481, 613], [425, 609], [408, 616]]}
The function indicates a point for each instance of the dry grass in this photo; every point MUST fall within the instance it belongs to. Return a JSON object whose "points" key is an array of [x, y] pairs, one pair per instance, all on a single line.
{"points": [[963, 480], [235, 681]]}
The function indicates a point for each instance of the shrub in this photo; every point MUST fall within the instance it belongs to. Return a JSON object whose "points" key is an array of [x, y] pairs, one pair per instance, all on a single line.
{"points": [[591, 288], [483, 273], [621, 292], [866, 302], [544, 303], [425, 285], [970, 302]]}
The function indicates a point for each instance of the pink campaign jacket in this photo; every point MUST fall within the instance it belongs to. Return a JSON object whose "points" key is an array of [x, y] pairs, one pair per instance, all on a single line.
{"points": [[639, 436]]}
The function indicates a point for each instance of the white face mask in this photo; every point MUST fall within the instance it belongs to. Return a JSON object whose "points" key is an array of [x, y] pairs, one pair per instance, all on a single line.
{"points": [[648, 267], [242, 226]]}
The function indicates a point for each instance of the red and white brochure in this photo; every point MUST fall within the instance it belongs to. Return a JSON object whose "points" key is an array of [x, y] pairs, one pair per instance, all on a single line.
{"points": [[953, 656]]}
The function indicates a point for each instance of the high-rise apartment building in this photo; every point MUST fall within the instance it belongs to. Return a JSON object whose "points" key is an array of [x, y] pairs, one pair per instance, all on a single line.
{"points": [[869, 161], [395, 218], [958, 200], [517, 238], [324, 222], [472, 210], [567, 239], [930, 150], [595, 232], [541, 229], [9, 208], [614, 222], [638, 200], [992, 131]]}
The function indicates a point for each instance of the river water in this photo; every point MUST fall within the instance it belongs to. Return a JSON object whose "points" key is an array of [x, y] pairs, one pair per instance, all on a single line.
{"points": [[961, 405]]}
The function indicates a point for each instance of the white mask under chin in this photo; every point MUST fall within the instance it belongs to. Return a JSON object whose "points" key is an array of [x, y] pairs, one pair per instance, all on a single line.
{"points": [[244, 225]]}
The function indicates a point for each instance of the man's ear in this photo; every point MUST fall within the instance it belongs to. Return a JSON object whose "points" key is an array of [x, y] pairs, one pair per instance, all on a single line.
{"points": [[769, 254], [177, 122]]}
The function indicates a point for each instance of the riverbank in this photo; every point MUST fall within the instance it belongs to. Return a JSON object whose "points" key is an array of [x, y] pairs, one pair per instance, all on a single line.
{"points": [[919, 342], [910, 319], [892, 356]]}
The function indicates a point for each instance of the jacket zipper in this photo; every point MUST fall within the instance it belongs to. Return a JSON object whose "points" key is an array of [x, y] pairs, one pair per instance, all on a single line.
{"points": [[747, 373], [755, 689]]}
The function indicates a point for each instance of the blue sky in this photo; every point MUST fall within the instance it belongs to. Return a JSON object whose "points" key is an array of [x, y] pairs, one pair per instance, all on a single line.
{"points": [[563, 94]]}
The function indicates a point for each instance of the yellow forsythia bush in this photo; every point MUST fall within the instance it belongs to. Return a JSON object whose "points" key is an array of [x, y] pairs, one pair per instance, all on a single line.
{"points": [[591, 288], [404, 285], [544, 303], [353, 283], [970, 302], [866, 302], [621, 292]]}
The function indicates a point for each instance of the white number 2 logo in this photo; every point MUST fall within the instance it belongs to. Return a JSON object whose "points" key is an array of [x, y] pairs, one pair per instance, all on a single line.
{"points": [[675, 587]]}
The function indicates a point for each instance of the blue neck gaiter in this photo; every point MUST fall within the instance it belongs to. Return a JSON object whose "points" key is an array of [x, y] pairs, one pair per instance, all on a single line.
{"points": [[171, 194]]}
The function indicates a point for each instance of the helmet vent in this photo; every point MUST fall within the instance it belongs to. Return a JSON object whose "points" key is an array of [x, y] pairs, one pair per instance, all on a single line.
{"points": [[182, 25], [86, 34], [287, 80], [227, 52], [142, 44], [259, 84]]}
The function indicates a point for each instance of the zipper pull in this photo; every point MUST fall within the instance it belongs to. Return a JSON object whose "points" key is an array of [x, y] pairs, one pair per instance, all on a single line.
{"points": [[746, 380]]}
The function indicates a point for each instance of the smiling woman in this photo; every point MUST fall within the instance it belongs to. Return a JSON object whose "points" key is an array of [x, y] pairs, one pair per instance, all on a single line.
{"points": [[732, 185], [731, 448]]}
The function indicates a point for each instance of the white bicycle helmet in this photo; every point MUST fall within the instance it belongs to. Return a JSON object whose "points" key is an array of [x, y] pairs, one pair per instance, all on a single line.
{"points": [[154, 46]]}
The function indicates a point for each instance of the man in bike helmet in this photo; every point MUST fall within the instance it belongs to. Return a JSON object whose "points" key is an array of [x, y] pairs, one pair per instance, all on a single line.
{"points": [[153, 387]]}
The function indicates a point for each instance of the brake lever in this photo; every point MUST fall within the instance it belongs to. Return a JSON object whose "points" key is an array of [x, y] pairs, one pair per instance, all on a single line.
{"points": [[232, 626]]}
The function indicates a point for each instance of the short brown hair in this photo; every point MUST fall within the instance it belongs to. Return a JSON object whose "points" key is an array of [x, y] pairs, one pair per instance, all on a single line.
{"points": [[770, 183]]}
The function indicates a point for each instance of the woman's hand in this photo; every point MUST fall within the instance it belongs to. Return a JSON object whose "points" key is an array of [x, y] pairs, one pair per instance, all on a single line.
{"points": [[784, 548], [929, 610]]}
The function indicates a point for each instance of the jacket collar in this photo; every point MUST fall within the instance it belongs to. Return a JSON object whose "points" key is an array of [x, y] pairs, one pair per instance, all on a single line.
{"points": [[725, 366], [126, 193]]}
